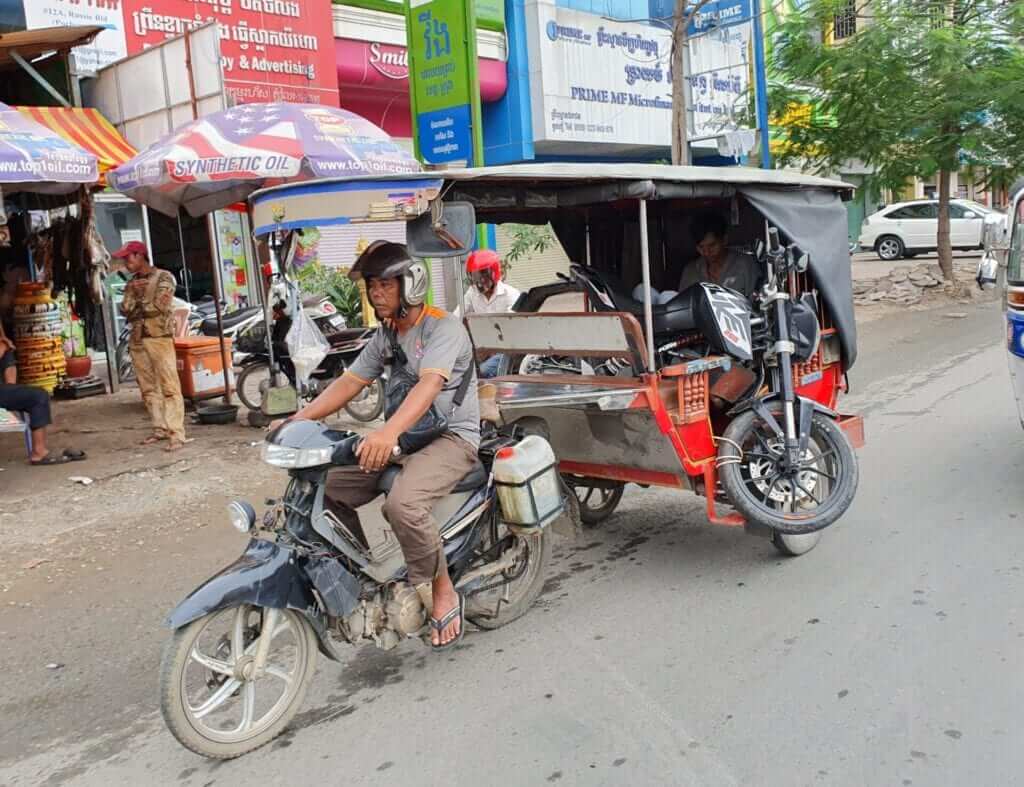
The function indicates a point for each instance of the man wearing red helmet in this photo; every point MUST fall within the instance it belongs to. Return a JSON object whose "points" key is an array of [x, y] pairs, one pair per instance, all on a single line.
{"points": [[489, 295]]}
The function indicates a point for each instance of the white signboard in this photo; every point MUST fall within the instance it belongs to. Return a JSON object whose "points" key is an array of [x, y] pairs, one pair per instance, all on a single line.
{"points": [[146, 96], [108, 47], [595, 80], [719, 80]]}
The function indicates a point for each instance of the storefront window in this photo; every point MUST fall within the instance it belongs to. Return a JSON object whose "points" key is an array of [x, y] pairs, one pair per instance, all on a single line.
{"points": [[119, 221]]}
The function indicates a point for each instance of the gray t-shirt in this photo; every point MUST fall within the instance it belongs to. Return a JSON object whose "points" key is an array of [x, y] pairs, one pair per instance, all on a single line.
{"points": [[437, 343], [739, 273]]}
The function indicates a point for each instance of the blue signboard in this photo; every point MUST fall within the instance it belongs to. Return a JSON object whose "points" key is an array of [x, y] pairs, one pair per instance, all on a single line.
{"points": [[721, 13], [444, 135]]}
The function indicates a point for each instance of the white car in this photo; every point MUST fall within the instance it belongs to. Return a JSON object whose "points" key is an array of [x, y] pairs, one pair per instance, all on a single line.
{"points": [[909, 228]]}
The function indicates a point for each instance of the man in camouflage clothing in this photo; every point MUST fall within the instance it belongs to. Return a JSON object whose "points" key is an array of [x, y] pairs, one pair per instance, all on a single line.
{"points": [[148, 306]]}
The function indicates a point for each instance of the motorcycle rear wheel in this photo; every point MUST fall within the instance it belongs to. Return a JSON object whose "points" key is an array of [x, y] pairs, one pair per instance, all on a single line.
{"points": [[501, 606], [214, 668]]}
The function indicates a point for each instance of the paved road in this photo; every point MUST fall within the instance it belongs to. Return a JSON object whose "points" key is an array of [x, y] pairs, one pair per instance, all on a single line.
{"points": [[664, 651]]}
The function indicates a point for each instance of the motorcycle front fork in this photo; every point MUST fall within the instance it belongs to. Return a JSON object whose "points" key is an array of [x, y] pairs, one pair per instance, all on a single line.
{"points": [[784, 353]]}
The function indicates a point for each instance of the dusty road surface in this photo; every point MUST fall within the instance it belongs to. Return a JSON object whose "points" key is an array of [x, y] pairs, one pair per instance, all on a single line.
{"points": [[663, 651]]}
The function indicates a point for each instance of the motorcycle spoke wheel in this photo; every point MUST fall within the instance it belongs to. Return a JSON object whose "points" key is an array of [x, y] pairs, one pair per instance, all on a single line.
{"points": [[252, 383], [369, 404], [213, 698], [524, 581]]}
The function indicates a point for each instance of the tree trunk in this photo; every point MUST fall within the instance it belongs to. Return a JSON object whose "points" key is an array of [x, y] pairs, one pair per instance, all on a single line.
{"points": [[944, 242], [680, 143]]}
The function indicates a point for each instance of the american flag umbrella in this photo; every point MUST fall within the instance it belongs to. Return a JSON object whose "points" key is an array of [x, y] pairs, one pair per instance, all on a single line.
{"points": [[33, 158], [219, 159]]}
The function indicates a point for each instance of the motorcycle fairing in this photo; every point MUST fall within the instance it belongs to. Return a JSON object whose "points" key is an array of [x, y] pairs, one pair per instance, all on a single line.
{"points": [[267, 575], [728, 321]]}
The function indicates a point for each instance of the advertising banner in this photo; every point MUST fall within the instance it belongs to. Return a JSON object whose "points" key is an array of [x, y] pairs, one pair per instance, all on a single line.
{"points": [[439, 71], [594, 80], [600, 81], [271, 50], [490, 14], [719, 69], [108, 47]]}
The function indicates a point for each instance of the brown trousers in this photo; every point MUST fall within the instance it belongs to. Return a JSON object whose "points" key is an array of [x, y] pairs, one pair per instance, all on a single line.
{"points": [[427, 476], [156, 369]]}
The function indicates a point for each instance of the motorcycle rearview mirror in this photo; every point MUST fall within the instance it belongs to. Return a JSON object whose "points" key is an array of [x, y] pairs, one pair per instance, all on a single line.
{"points": [[798, 259], [988, 270], [447, 230]]}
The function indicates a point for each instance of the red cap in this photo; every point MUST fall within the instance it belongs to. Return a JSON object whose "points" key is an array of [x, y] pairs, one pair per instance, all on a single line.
{"points": [[132, 247]]}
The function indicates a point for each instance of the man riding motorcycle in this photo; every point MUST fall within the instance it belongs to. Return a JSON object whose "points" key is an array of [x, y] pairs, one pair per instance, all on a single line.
{"points": [[432, 345]]}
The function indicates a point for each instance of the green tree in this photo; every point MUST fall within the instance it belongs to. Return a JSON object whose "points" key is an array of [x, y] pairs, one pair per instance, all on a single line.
{"points": [[319, 279], [526, 240], [922, 88]]}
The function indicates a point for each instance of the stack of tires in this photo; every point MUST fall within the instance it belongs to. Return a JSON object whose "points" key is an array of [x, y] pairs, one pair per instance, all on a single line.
{"points": [[38, 326]]}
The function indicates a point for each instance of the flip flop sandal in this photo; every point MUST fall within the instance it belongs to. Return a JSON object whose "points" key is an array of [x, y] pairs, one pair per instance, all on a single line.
{"points": [[50, 459], [74, 456], [440, 625]]}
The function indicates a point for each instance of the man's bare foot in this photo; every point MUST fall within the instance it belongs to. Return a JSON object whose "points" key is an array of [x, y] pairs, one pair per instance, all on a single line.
{"points": [[174, 445], [153, 439], [446, 600]]}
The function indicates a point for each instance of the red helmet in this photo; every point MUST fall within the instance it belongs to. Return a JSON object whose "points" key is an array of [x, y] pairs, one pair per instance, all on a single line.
{"points": [[482, 260]]}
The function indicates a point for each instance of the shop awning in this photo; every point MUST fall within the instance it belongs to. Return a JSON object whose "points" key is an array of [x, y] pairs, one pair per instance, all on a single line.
{"points": [[30, 44], [88, 129]]}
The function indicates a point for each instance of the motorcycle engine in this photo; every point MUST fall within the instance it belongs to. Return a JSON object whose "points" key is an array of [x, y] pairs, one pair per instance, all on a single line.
{"points": [[386, 618], [404, 610]]}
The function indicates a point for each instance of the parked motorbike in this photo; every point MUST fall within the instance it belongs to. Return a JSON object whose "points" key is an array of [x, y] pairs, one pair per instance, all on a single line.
{"points": [[201, 321], [783, 462], [346, 344], [245, 643]]}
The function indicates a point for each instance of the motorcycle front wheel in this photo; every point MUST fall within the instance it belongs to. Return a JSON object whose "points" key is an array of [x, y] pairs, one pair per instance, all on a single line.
{"points": [[369, 404], [793, 502], [211, 697]]}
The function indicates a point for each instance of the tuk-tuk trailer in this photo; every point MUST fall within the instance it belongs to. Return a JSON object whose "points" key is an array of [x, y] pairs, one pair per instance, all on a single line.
{"points": [[628, 386]]}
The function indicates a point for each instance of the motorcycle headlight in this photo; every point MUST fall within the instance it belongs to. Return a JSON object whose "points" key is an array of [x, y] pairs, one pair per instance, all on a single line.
{"points": [[241, 515], [293, 458]]}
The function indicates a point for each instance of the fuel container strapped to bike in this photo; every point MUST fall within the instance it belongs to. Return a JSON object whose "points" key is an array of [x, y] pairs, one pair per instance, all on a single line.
{"points": [[529, 490]]}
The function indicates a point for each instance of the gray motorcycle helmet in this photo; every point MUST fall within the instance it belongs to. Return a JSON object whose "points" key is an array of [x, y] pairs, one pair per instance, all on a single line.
{"points": [[386, 260]]}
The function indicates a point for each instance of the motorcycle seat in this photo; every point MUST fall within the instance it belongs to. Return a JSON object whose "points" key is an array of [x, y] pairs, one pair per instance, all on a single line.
{"points": [[209, 325], [675, 317], [470, 482]]}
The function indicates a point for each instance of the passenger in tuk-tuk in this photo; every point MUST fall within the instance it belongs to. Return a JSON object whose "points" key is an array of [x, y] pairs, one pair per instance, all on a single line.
{"points": [[727, 267], [718, 263]]}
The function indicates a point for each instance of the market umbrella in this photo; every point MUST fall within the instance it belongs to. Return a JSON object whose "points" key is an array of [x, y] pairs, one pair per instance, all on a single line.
{"points": [[33, 158], [220, 159]]}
